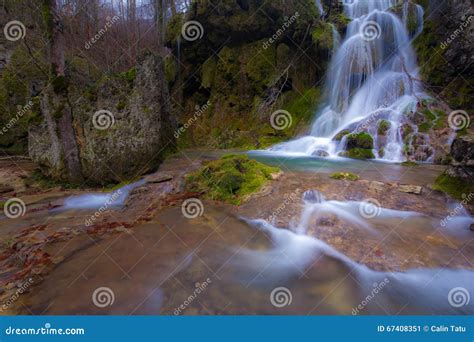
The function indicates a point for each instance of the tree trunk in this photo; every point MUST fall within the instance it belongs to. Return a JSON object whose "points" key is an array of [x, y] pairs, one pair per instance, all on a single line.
{"points": [[159, 18], [56, 107]]}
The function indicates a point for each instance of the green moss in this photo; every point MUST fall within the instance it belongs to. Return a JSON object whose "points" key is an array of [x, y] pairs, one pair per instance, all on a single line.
{"points": [[429, 115], [173, 28], [381, 152], [128, 75], [121, 104], [441, 121], [258, 64], [302, 107], [38, 179], [361, 140], [458, 91], [452, 186], [48, 18], [171, 69], [228, 63], [341, 135], [340, 21], [345, 176], [358, 153], [231, 178], [322, 36], [384, 126], [424, 127], [208, 72]]}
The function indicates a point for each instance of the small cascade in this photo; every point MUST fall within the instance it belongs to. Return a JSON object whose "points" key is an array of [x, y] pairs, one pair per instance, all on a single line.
{"points": [[114, 199], [320, 8], [371, 84], [336, 37], [293, 253]]}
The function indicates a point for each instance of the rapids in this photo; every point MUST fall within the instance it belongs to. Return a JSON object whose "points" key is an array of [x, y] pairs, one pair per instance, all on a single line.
{"points": [[294, 252]]}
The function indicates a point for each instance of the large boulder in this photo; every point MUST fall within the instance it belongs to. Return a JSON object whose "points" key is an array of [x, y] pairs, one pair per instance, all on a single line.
{"points": [[462, 152], [123, 126]]}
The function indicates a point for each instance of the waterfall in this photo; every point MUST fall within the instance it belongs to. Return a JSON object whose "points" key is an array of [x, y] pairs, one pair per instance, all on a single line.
{"points": [[320, 7], [372, 77]]}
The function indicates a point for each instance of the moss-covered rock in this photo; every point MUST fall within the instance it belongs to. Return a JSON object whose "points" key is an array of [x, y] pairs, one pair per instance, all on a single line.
{"points": [[411, 13], [453, 186], [259, 68], [130, 136], [231, 179], [361, 140], [383, 127], [322, 36], [358, 153], [21, 82], [445, 48], [341, 135], [344, 176]]}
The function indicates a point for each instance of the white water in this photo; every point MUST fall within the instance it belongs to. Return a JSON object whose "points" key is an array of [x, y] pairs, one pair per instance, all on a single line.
{"points": [[320, 8], [371, 77], [115, 199], [293, 253]]}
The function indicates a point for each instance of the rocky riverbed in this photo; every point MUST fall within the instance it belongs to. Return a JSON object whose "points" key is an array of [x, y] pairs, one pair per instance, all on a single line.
{"points": [[153, 257]]}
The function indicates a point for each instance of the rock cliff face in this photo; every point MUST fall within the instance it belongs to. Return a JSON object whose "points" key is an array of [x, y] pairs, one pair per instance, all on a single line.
{"points": [[123, 127], [446, 51], [250, 59]]}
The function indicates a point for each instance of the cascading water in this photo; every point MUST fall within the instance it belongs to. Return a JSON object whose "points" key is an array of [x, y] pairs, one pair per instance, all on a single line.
{"points": [[293, 253], [372, 77]]}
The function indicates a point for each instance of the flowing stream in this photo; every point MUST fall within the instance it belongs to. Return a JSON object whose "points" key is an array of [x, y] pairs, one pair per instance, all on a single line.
{"points": [[371, 78]]}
